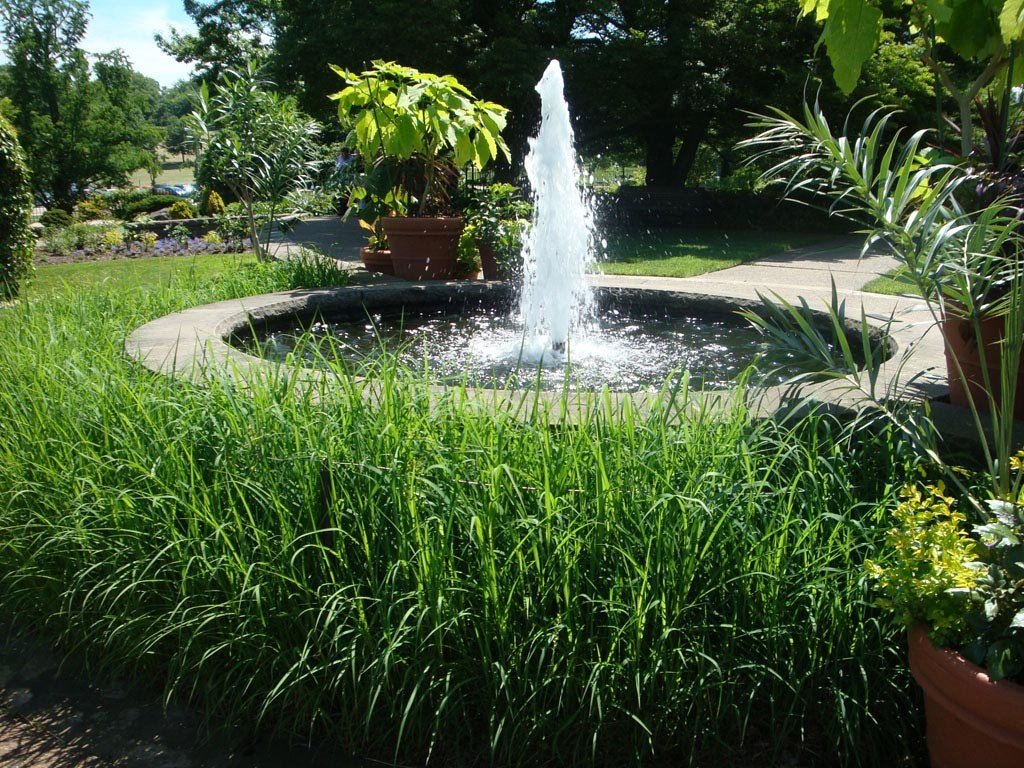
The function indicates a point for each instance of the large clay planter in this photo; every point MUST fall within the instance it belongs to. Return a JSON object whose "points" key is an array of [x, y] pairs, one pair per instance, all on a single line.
{"points": [[972, 722], [377, 261], [423, 248], [963, 346]]}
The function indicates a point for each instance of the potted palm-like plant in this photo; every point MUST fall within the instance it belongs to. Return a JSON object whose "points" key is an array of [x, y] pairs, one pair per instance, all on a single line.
{"points": [[418, 129], [954, 567]]}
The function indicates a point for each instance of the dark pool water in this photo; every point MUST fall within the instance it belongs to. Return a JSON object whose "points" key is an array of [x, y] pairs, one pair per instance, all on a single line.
{"points": [[627, 352]]}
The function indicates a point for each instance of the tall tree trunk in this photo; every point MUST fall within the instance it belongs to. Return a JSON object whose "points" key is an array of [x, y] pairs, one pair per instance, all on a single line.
{"points": [[687, 154], [659, 140]]}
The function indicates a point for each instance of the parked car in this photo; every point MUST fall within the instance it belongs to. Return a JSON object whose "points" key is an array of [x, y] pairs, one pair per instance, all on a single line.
{"points": [[178, 190]]}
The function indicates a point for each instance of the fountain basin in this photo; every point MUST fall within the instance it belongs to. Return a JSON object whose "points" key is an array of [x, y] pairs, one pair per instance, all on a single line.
{"points": [[466, 335], [196, 343]]}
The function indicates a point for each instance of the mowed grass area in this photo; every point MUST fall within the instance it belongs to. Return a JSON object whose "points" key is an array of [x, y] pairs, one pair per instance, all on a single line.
{"points": [[132, 274], [173, 171], [896, 283], [691, 252]]}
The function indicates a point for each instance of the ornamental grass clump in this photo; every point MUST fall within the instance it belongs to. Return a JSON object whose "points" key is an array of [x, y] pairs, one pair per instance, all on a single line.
{"points": [[957, 562], [413, 575]]}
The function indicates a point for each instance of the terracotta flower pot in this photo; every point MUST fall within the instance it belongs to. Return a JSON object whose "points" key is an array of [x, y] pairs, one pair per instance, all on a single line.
{"points": [[963, 346], [377, 261], [423, 248], [489, 262], [971, 720]]}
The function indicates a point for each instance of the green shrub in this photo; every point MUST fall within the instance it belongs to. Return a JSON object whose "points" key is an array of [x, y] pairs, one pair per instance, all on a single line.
{"points": [[119, 199], [94, 207], [213, 237], [147, 204], [147, 239], [16, 241], [182, 209], [75, 237], [112, 237], [56, 218], [212, 203]]}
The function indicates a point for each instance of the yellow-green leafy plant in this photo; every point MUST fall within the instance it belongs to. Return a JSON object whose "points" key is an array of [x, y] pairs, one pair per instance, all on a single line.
{"points": [[933, 562], [418, 128], [182, 210], [212, 203], [213, 238], [94, 207], [468, 253], [960, 572], [112, 237], [147, 239]]}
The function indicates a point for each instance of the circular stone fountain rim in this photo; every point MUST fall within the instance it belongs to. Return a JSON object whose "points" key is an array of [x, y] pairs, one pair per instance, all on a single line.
{"points": [[192, 343]]}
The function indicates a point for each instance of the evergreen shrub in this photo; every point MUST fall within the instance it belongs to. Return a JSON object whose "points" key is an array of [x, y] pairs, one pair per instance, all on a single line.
{"points": [[16, 241]]}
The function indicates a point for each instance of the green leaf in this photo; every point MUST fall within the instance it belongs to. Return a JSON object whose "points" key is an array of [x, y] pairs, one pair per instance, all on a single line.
{"points": [[852, 32], [940, 11], [818, 7], [1018, 619], [1011, 21], [404, 138], [971, 29]]}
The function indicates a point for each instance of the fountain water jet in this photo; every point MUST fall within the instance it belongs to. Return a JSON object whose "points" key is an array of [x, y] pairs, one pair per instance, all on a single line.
{"points": [[555, 300]]}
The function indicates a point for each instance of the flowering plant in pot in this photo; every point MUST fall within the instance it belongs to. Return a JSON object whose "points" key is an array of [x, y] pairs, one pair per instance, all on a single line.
{"points": [[953, 567], [418, 129]]}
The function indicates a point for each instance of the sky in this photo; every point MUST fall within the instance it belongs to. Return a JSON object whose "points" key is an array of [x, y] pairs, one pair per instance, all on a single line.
{"points": [[130, 26]]}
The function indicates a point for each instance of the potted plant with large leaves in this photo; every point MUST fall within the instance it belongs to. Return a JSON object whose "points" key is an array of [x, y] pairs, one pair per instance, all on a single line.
{"points": [[417, 130]]}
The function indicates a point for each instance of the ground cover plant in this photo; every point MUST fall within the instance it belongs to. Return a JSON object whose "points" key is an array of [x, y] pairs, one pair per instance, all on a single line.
{"points": [[414, 576], [688, 252]]}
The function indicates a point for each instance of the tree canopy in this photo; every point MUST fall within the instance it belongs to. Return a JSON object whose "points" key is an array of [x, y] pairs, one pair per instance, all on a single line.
{"points": [[78, 124]]}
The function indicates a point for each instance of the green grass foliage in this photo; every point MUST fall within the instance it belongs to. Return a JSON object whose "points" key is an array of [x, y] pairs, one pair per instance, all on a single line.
{"points": [[416, 576]]}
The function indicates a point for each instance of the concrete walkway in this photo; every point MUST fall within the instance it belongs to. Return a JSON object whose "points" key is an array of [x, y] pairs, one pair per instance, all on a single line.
{"points": [[51, 717]]}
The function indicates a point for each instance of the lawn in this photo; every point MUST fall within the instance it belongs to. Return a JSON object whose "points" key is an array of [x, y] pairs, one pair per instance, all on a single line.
{"points": [[896, 283], [130, 274], [173, 171], [690, 252]]}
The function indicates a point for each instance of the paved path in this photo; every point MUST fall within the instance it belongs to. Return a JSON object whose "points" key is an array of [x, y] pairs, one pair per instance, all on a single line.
{"points": [[50, 718]]}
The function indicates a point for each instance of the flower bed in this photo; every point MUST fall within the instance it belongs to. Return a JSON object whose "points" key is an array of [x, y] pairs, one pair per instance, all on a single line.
{"points": [[142, 248]]}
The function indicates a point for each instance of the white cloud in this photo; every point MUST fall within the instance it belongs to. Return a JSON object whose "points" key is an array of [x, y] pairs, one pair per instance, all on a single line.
{"points": [[131, 26]]}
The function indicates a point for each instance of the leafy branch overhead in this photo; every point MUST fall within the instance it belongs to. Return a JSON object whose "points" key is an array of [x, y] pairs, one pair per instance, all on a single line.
{"points": [[982, 31], [974, 29]]}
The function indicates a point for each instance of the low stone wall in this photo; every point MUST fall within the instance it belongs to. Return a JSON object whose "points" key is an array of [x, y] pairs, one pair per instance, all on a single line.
{"points": [[195, 227]]}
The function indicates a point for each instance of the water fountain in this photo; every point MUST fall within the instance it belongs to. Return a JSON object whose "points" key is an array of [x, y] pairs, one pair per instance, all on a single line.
{"points": [[554, 337], [555, 331], [555, 298]]}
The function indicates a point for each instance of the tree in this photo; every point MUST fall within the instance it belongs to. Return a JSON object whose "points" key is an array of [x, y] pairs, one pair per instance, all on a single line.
{"points": [[671, 75], [497, 48], [986, 32], [253, 141], [75, 130], [229, 34]]}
